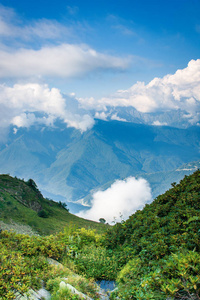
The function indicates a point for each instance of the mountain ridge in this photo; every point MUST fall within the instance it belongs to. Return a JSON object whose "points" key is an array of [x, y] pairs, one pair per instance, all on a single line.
{"points": [[68, 164]]}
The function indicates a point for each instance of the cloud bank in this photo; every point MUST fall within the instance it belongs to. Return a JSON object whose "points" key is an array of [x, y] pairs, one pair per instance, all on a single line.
{"points": [[124, 197], [180, 91], [21, 104]]}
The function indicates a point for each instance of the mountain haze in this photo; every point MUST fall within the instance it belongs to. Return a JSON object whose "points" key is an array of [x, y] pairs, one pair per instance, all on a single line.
{"points": [[70, 164]]}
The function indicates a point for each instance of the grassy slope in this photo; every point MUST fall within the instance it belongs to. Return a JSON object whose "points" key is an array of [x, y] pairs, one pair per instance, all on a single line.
{"points": [[21, 203]]}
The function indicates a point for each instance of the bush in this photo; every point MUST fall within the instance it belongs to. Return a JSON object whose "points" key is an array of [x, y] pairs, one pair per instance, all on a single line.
{"points": [[43, 213], [177, 276], [97, 262]]}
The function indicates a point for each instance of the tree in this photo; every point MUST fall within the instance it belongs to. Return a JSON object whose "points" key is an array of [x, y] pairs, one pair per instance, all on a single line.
{"points": [[32, 184], [102, 220], [63, 205]]}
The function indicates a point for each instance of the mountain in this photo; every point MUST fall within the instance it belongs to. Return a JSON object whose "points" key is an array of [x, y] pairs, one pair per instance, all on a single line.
{"points": [[161, 181], [69, 165], [171, 118], [22, 203]]}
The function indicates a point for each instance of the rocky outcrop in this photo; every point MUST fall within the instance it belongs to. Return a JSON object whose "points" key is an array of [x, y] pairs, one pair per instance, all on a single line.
{"points": [[35, 295]]}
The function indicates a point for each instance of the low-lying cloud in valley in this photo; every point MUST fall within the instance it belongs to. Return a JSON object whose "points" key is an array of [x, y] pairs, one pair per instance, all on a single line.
{"points": [[122, 198]]}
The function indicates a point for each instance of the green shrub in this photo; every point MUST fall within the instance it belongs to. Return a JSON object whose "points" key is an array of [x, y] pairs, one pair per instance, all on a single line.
{"points": [[43, 213], [177, 276], [97, 262]]}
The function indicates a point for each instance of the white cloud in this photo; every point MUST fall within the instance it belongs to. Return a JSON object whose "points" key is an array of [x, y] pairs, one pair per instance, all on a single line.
{"points": [[117, 118], [21, 104], [180, 91], [42, 48], [124, 197], [158, 123], [101, 115], [59, 61]]}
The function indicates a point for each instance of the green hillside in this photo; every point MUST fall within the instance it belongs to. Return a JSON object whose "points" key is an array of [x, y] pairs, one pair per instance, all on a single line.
{"points": [[163, 242], [171, 219], [21, 202], [155, 254]]}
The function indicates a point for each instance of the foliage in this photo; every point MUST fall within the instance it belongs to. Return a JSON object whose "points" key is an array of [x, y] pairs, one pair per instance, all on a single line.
{"points": [[155, 254], [22, 203], [156, 234], [43, 213], [176, 276], [18, 273], [63, 205], [32, 184], [80, 283], [129, 279], [102, 220], [97, 262], [24, 264], [171, 221]]}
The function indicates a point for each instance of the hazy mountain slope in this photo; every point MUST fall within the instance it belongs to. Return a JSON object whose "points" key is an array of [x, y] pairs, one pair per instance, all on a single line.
{"points": [[65, 162], [161, 181], [114, 150]]}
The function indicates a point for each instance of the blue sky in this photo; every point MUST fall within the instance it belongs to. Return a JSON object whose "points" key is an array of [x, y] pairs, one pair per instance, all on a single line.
{"points": [[161, 36], [89, 50]]}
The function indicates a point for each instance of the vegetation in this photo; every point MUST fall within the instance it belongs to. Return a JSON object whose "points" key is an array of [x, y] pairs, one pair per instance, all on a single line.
{"points": [[24, 265], [102, 220], [165, 242], [155, 254], [23, 203]]}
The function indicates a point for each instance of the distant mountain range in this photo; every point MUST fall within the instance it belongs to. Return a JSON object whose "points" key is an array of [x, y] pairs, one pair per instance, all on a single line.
{"points": [[173, 118], [69, 165]]}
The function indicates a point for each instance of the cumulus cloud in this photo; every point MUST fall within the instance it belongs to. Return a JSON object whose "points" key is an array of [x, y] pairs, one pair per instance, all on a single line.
{"points": [[124, 197], [180, 91], [26, 104], [59, 61]]}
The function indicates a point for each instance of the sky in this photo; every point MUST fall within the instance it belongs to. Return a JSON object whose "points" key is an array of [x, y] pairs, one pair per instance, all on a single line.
{"points": [[74, 59], [78, 61]]}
